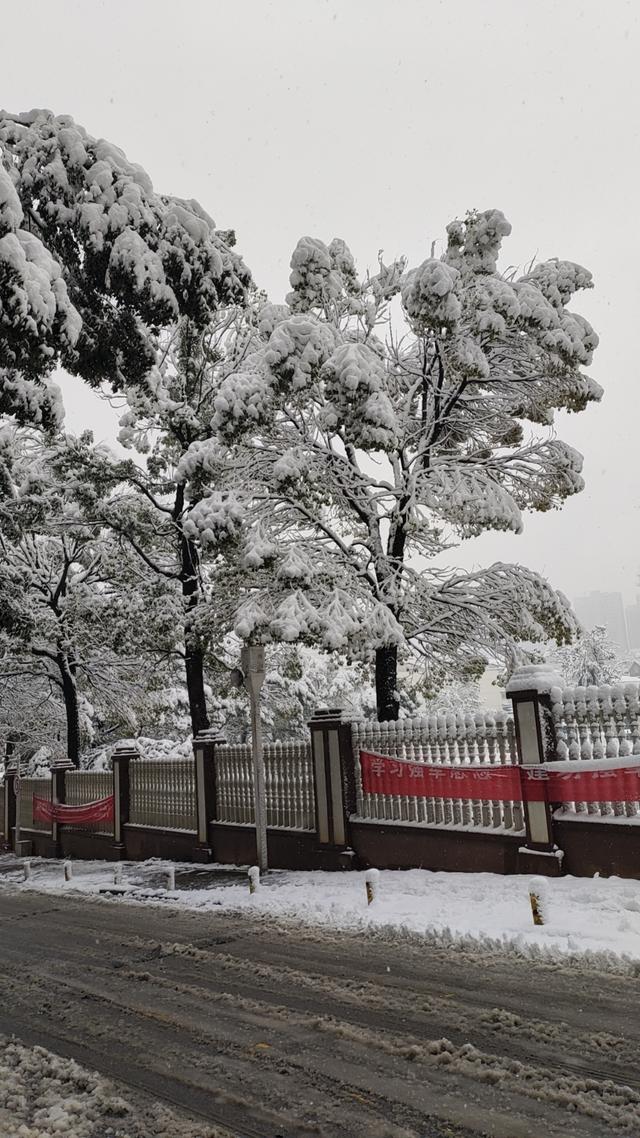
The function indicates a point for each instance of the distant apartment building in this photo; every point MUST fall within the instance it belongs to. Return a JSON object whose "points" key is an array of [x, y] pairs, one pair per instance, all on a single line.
{"points": [[633, 624], [607, 610]]}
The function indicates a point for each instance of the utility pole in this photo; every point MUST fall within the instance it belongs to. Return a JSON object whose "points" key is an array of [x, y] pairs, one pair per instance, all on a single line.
{"points": [[17, 790], [252, 665]]}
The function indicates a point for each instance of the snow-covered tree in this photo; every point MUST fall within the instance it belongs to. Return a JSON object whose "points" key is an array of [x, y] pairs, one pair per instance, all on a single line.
{"points": [[94, 263], [73, 622], [591, 659], [377, 440], [151, 498], [31, 709], [298, 680]]}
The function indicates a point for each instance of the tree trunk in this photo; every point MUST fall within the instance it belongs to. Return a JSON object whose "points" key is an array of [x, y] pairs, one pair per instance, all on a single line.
{"points": [[194, 651], [11, 742], [72, 713], [193, 646], [388, 704], [194, 667]]}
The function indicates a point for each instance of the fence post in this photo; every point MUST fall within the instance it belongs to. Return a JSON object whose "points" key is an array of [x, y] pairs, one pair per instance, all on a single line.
{"points": [[528, 690], [121, 759], [59, 795], [9, 820], [335, 786], [204, 751]]}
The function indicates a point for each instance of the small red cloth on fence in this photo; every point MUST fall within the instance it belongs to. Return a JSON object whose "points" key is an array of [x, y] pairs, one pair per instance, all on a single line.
{"points": [[99, 811], [385, 775]]}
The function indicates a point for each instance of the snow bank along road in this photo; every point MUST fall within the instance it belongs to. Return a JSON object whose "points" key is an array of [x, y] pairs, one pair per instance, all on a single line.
{"points": [[265, 1030]]}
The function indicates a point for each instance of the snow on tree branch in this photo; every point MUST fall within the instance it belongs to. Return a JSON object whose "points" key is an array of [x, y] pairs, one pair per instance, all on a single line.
{"points": [[94, 262], [375, 453]]}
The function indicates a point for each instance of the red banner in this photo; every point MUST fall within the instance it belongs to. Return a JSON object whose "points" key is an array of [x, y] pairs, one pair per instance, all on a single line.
{"points": [[611, 784], [99, 811], [384, 775]]}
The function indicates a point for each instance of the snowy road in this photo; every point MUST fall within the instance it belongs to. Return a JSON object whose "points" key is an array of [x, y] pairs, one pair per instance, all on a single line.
{"points": [[267, 1031]]}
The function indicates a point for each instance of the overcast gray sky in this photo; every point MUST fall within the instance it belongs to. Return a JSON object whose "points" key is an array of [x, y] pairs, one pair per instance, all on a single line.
{"points": [[379, 122]]}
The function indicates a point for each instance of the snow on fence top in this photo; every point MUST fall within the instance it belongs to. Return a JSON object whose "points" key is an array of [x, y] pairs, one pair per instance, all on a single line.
{"points": [[533, 677], [455, 737]]}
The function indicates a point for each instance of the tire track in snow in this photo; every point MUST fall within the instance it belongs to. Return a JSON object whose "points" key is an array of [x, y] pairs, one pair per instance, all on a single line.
{"points": [[382, 1052]]}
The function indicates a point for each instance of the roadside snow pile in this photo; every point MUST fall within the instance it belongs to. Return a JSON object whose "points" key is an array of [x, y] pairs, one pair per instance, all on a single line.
{"points": [[43, 1095], [38, 765], [100, 759], [162, 748], [582, 915]]}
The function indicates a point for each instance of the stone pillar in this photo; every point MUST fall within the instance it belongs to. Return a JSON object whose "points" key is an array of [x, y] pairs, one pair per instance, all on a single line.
{"points": [[59, 795], [335, 786], [528, 689], [204, 750], [122, 757], [9, 820]]}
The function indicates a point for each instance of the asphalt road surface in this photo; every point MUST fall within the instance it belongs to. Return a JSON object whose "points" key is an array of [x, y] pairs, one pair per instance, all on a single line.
{"points": [[273, 1032]]}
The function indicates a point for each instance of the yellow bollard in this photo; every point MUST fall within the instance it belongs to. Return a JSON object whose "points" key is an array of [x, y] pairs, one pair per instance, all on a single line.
{"points": [[538, 900], [371, 881], [535, 908]]}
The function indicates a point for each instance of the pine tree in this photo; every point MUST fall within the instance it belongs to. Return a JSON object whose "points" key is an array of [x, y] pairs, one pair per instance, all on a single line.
{"points": [[375, 443], [94, 264]]}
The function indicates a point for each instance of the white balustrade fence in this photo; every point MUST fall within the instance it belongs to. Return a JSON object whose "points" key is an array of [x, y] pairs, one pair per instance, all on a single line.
{"points": [[597, 723], [289, 785], [163, 793], [87, 786], [456, 739]]}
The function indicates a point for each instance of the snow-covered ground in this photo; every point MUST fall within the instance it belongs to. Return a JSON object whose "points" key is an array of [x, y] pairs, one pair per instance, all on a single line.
{"points": [[43, 1095], [584, 915]]}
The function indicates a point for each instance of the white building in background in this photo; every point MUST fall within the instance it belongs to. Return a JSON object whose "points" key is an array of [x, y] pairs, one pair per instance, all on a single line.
{"points": [[607, 610]]}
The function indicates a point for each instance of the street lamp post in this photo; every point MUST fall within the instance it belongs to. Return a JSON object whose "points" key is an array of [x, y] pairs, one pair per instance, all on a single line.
{"points": [[252, 665], [17, 790]]}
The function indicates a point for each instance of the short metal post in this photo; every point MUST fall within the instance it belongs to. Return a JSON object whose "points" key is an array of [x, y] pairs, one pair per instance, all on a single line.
{"points": [[538, 900], [372, 881]]}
